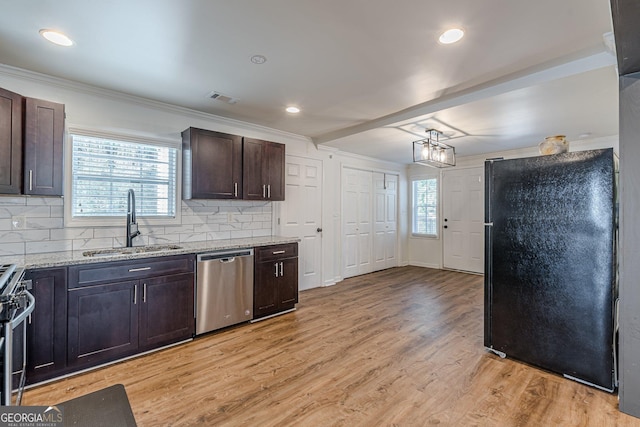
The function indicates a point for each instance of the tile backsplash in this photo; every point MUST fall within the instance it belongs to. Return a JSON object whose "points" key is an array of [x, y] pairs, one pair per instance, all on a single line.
{"points": [[39, 226]]}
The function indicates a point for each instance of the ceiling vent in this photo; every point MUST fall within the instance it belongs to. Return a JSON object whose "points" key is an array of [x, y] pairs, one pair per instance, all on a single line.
{"points": [[222, 98]]}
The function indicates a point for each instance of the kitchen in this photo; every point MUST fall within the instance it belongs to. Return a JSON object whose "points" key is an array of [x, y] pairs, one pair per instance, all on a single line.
{"points": [[90, 107]]}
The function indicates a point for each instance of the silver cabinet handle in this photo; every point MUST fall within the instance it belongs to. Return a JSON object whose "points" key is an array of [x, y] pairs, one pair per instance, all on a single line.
{"points": [[131, 270], [235, 189], [144, 292], [268, 191], [276, 266], [281, 269], [135, 294], [264, 191], [30, 179], [278, 252]]}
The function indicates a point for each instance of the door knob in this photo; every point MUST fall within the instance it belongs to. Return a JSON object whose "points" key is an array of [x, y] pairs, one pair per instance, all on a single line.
{"points": [[319, 229], [445, 220], [446, 226]]}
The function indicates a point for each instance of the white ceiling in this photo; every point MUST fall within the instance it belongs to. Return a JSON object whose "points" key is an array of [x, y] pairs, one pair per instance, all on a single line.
{"points": [[369, 76]]}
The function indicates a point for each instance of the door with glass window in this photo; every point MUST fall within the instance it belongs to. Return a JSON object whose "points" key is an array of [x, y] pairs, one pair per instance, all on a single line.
{"points": [[424, 221]]}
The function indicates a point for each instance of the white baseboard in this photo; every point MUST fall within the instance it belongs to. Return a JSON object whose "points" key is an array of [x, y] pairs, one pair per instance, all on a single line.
{"points": [[425, 264]]}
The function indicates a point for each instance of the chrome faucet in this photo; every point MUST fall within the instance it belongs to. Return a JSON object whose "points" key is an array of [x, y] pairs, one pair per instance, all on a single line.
{"points": [[132, 225]]}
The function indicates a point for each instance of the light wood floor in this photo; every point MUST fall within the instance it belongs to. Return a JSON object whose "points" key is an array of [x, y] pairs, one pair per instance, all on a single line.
{"points": [[399, 347]]}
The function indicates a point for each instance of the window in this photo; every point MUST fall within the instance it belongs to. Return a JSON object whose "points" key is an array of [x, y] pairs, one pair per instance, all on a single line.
{"points": [[425, 207], [104, 168]]}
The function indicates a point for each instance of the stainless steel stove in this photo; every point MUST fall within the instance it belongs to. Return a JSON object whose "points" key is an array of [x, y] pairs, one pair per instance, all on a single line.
{"points": [[16, 304]]}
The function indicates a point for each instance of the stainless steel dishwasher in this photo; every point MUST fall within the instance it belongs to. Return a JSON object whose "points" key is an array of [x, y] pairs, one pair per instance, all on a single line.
{"points": [[224, 289]]}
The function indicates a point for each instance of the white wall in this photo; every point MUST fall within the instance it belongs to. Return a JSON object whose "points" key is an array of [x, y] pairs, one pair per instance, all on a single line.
{"points": [[427, 252], [580, 145], [103, 110]]}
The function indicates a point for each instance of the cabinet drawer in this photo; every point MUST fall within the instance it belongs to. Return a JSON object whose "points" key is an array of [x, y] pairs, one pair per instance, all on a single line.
{"points": [[270, 253], [85, 275]]}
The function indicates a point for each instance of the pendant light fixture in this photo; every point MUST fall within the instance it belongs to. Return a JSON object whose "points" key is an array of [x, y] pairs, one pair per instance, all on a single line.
{"points": [[431, 152]]}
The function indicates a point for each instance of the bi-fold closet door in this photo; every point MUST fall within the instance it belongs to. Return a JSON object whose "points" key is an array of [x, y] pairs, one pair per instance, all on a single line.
{"points": [[369, 221]]}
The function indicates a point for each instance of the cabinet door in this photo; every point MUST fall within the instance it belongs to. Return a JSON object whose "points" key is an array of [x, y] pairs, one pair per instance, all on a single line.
{"points": [[10, 142], [263, 170], [103, 323], [255, 186], [167, 310], [274, 170], [47, 325], [288, 283], [212, 163], [43, 142], [265, 298]]}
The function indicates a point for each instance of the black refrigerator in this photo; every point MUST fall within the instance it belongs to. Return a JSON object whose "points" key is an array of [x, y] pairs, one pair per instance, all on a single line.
{"points": [[550, 263]]}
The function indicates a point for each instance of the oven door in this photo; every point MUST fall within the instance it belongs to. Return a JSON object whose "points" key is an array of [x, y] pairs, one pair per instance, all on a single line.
{"points": [[14, 352]]}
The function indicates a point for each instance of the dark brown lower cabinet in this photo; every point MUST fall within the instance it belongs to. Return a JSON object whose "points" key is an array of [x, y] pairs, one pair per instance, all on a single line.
{"points": [[275, 279], [166, 313], [120, 318], [115, 320], [103, 323], [47, 325], [46, 328]]}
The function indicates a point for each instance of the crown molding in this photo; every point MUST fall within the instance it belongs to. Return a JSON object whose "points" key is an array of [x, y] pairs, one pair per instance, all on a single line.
{"points": [[35, 77], [391, 166]]}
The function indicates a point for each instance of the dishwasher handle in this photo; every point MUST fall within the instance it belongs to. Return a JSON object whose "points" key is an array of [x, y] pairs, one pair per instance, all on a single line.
{"points": [[226, 256]]}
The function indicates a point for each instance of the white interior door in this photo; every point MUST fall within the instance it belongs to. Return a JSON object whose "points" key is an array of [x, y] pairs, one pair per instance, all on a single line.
{"points": [[350, 188], [385, 205], [301, 216], [357, 222], [463, 216]]}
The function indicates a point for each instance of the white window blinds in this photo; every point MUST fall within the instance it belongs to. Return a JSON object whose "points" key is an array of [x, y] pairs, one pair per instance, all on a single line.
{"points": [[103, 169], [425, 207]]}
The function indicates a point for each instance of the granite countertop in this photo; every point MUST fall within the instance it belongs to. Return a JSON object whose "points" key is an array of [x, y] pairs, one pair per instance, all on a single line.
{"points": [[60, 259]]}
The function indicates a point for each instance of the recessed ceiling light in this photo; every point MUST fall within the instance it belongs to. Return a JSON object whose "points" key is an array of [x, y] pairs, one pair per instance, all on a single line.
{"points": [[293, 110], [56, 37], [258, 59], [451, 36]]}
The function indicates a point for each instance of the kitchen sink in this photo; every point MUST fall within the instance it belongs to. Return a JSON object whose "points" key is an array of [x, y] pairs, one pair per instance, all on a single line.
{"points": [[129, 251]]}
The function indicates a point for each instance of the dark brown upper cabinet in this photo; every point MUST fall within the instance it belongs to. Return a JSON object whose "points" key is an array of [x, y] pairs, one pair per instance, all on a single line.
{"points": [[31, 144], [10, 142], [43, 142], [212, 165], [221, 166], [263, 176]]}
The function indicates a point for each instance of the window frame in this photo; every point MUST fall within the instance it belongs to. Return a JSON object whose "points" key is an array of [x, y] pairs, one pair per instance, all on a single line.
{"points": [[115, 221], [412, 180]]}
